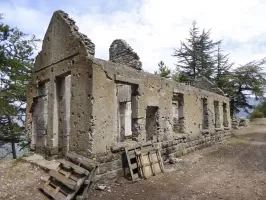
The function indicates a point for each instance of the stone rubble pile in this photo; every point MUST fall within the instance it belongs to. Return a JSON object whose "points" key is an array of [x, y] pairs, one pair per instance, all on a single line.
{"points": [[120, 52], [240, 123]]}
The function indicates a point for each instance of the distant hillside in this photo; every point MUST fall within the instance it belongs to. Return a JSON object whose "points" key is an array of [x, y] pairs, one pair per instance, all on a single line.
{"points": [[242, 113]]}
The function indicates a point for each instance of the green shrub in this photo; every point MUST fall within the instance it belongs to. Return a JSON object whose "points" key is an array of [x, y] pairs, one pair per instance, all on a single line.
{"points": [[256, 114]]}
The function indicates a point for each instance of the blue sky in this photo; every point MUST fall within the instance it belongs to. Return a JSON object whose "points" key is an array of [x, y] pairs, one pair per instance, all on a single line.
{"points": [[152, 27]]}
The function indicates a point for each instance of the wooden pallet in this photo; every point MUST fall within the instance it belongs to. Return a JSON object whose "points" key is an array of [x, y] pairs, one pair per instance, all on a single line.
{"points": [[69, 180], [151, 162], [133, 162], [144, 161]]}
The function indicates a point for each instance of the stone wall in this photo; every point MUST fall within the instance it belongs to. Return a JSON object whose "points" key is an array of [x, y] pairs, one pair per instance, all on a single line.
{"points": [[114, 164], [96, 108], [238, 123], [120, 52], [63, 67], [159, 95]]}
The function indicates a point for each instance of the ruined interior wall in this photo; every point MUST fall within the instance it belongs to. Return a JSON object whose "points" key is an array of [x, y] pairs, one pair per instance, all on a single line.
{"points": [[152, 91], [64, 65], [71, 74], [193, 109], [155, 92]]}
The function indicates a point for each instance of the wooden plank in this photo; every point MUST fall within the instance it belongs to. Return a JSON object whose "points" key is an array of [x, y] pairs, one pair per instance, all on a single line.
{"points": [[148, 164], [131, 152], [132, 156], [138, 151], [63, 179], [149, 150], [129, 165], [50, 191], [85, 162], [135, 177], [76, 168], [75, 178], [86, 191], [134, 166], [156, 164], [160, 159], [62, 171], [139, 166], [151, 163], [147, 171]]}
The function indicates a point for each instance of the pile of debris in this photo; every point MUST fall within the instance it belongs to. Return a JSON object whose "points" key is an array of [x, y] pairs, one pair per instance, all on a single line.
{"points": [[238, 123], [71, 179]]}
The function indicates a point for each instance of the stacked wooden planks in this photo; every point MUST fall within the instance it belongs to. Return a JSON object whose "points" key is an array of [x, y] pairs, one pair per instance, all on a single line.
{"points": [[69, 180]]}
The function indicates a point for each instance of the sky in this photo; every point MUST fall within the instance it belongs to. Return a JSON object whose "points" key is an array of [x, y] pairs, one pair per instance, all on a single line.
{"points": [[153, 28]]}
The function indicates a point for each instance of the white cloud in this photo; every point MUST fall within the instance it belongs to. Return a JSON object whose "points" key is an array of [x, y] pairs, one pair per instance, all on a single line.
{"points": [[154, 27]]}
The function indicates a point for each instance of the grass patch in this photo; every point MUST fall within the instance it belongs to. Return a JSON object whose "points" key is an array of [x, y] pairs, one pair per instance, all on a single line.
{"points": [[18, 161], [237, 140]]}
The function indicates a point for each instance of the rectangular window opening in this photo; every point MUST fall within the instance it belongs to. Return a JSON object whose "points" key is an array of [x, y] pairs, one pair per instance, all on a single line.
{"points": [[127, 110], [40, 115], [152, 122], [205, 115], [61, 122], [216, 114], [178, 113], [225, 113]]}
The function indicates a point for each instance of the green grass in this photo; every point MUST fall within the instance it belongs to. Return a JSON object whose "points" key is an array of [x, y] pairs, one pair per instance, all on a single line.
{"points": [[18, 161], [237, 140]]}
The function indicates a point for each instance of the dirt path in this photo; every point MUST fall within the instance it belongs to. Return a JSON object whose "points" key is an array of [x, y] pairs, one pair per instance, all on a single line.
{"points": [[20, 180], [233, 170]]}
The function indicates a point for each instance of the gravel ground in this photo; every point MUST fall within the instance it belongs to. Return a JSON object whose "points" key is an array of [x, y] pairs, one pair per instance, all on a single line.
{"points": [[233, 170], [20, 180]]}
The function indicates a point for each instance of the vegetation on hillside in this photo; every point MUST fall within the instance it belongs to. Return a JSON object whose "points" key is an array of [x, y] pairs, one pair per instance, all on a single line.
{"points": [[199, 55], [16, 62], [259, 111]]}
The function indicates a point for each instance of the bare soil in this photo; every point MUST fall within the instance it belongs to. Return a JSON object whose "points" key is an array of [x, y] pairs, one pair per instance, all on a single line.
{"points": [[235, 169], [232, 170], [20, 180]]}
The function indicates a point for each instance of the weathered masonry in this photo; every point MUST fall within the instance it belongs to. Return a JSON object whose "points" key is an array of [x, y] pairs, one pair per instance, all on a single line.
{"points": [[78, 103]]}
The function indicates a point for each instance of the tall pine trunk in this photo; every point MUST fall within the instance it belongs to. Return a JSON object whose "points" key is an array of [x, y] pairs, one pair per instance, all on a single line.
{"points": [[13, 143], [13, 146]]}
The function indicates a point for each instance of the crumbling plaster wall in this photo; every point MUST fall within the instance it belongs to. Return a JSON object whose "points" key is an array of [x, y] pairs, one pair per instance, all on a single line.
{"points": [[65, 53], [153, 91], [193, 108], [93, 117]]}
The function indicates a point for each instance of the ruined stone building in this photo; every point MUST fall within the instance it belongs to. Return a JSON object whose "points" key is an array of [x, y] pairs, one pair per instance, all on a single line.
{"points": [[93, 107]]}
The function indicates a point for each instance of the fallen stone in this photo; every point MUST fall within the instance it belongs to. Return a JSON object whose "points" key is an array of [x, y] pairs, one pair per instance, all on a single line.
{"points": [[173, 160], [101, 187]]}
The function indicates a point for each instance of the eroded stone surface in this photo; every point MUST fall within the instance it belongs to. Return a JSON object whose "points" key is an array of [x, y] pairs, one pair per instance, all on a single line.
{"points": [[120, 52], [95, 108]]}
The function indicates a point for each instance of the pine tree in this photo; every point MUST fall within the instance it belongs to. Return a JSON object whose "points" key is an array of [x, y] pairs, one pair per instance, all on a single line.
{"points": [[244, 81], [222, 68], [187, 54], [195, 56], [16, 62], [163, 71], [207, 48]]}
